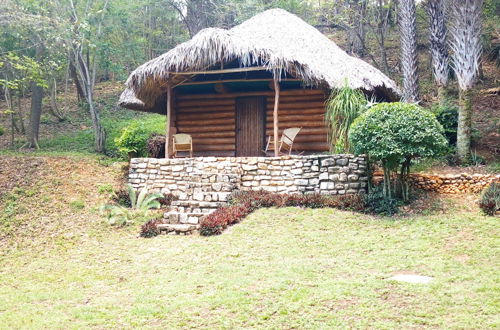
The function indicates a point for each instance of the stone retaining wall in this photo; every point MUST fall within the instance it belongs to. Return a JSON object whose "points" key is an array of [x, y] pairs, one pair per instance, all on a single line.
{"points": [[453, 183], [325, 174], [448, 183]]}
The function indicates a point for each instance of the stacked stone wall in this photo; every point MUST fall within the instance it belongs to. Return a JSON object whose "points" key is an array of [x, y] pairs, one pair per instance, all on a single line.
{"points": [[448, 183], [324, 174]]}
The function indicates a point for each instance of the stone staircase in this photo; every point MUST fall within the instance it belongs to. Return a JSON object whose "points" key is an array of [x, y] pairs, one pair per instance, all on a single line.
{"points": [[198, 197]]}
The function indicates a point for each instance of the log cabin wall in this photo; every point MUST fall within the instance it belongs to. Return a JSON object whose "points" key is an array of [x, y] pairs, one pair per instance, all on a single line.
{"points": [[210, 119]]}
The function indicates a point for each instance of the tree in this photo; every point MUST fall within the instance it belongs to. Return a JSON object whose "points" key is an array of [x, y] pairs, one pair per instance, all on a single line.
{"points": [[467, 49], [84, 30], [439, 50], [396, 134], [409, 60], [381, 13]]}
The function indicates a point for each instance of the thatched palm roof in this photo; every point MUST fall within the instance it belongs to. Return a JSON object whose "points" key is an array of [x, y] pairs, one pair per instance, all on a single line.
{"points": [[275, 39]]}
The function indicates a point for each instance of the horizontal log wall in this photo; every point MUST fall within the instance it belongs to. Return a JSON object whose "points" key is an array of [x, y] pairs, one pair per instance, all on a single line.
{"points": [[210, 119]]}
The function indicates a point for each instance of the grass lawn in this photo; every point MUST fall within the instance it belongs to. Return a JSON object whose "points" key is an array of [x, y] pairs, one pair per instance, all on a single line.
{"points": [[279, 268]]}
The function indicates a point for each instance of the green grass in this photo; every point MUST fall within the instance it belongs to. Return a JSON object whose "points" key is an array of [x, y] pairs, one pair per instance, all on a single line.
{"points": [[279, 268]]}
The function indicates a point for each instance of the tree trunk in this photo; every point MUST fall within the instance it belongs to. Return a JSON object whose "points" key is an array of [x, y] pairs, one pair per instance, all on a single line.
{"points": [[464, 125], [54, 109], [74, 76], [35, 114], [409, 60], [20, 115]]}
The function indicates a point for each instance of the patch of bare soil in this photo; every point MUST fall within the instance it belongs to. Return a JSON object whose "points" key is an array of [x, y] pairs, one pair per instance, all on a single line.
{"points": [[435, 203], [48, 200], [486, 120]]}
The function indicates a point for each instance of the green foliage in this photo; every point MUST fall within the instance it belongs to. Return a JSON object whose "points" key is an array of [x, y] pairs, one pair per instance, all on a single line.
{"points": [[376, 203], [105, 188], [394, 132], [342, 108], [140, 205], [490, 199], [2, 131], [447, 116], [133, 138]]}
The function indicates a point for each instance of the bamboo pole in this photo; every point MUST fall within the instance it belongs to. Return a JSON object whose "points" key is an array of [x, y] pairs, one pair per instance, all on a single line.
{"points": [[169, 120], [275, 115]]}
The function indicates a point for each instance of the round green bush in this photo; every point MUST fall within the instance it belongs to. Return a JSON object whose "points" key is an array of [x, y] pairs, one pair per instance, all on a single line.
{"points": [[395, 132]]}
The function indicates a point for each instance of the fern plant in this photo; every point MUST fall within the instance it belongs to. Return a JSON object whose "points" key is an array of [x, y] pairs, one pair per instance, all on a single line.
{"points": [[140, 205], [343, 107]]}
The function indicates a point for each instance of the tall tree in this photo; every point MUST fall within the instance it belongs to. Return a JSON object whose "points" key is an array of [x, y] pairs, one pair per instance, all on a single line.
{"points": [[84, 31], [467, 49], [409, 60], [439, 51]]}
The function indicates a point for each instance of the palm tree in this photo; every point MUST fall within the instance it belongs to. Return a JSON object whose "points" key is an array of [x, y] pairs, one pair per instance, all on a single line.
{"points": [[408, 31], [467, 49], [439, 50]]}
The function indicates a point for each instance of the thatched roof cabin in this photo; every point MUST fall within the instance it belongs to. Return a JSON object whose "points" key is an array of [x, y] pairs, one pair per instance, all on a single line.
{"points": [[274, 56]]}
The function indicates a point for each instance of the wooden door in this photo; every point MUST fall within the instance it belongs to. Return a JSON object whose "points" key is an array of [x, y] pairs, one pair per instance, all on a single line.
{"points": [[250, 125]]}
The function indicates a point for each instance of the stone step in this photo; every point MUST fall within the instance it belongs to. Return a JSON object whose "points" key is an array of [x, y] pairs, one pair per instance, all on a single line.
{"points": [[198, 204], [178, 228], [175, 217], [204, 196], [191, 209]]}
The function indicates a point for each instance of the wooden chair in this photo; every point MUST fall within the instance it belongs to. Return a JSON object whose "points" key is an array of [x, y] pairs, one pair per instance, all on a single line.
{"points": [[183, 143], [286, 141]]}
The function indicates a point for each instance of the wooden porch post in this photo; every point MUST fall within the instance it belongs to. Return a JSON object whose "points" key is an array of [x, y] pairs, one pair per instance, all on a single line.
{"points": [[275, 116], [168, 132]]}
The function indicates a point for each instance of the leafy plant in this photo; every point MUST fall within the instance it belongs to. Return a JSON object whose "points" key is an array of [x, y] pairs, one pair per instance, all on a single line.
{"points": [[140, 204], [376, 203], [150, 228], [490, 199], [133, 139], [2, 131], [396, 134], [447, 116], [342, 108]]}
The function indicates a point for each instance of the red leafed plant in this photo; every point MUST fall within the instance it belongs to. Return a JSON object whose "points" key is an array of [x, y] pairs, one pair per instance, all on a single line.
{"points": [[243, 203]]}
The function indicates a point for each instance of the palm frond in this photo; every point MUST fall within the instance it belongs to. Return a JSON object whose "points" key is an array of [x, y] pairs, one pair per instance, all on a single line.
{"points": [[342, 108], [132, 195]]}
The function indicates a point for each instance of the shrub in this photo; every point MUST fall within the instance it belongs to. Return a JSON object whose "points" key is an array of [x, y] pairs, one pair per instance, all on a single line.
{"points": [[447, 116], [374, 202], [132, 139], [121, 197], [243, 203], [139, 207], [150, 228], [166, 200], [216, 222], [395, 134], [2, 131], [156, 146], [490, 199]]}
